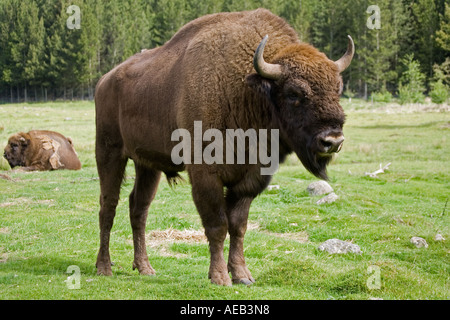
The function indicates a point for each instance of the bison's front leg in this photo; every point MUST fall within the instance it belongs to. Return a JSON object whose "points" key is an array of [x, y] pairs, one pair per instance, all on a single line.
{"points": [[237, 213], [207, 193]]}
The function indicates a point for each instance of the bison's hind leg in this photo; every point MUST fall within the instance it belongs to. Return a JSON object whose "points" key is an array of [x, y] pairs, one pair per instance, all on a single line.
{"points": [[111, 167], [144, 191]]}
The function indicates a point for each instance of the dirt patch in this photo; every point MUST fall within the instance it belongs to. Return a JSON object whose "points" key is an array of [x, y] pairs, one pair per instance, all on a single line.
{"points": [[26, 201], [392, 107], [3, 257], [446, 126], [172, 235], [160, 240], [301, 236], [6, 177]]}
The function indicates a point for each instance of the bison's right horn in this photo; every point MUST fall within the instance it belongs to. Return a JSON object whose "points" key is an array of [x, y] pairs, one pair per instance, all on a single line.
{"points": [[345, 60], [266, 70]]}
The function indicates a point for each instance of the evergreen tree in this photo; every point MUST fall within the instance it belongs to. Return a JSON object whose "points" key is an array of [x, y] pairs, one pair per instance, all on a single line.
{"points": [[411, 86], [426, 22], [7, 19], [443, 34], [39, 53]]}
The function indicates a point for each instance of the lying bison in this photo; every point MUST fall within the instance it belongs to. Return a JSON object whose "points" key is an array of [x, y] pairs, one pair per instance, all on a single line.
{"points": [[209, 72], [41, 150]]}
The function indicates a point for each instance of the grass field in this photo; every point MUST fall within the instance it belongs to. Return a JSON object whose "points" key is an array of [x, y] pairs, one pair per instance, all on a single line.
{"points": [[49, 220]]}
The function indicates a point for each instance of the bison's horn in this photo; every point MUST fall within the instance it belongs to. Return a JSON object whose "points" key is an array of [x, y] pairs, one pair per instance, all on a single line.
{"points": [[266, 70], [345, 60]]}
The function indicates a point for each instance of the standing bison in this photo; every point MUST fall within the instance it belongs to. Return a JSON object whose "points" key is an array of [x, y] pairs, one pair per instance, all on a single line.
{"points": [[210, 72]]}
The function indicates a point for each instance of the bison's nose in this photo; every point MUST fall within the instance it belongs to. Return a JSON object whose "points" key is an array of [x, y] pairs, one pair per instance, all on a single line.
{"points": [[331, 143]]}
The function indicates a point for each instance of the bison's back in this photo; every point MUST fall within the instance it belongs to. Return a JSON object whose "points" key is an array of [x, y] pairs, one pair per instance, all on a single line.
{"points": [[54, 148], [217, 61]]}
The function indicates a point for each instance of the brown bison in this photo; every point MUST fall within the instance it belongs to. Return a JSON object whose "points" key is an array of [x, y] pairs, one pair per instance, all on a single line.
{"points": [[209, 72], [41, 150]]}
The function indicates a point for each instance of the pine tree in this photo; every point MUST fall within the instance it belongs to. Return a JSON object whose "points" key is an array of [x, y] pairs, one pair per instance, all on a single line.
{"points": [[7, 17], [426, 22], [411, 86], [443, 34], [39, 53], [26, 42], [88, 51]]}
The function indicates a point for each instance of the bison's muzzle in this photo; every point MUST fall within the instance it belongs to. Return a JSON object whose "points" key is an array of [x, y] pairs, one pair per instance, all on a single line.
{"points": [[330, 144]]}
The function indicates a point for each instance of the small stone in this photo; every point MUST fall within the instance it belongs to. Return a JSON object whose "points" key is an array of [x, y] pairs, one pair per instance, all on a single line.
{"points": [[273, 187], [419, 242], [439, 237], [330, 198], [319, 188], [339, 246]]}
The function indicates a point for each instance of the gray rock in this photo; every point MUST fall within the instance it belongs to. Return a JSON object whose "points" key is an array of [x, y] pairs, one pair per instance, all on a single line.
{"points": [[330, 198], [319, 188], [419, 242], [439, 237], [339, 246]]}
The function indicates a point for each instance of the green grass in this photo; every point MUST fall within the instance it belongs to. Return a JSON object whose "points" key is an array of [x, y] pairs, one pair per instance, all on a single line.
{"points": [[49, 220]]}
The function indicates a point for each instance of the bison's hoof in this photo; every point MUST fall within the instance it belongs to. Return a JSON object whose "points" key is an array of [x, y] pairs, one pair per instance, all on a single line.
{"points": [[240, 274], [145, 269], [247, 282], [222, 282], [147, 272], [104, 269], [104, 272], [221, 279]]}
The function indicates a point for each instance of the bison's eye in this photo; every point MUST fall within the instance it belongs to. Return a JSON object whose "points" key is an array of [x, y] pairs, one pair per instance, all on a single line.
{"points": [[292, 97], [295, 96], [14, 145], [296, 99]]}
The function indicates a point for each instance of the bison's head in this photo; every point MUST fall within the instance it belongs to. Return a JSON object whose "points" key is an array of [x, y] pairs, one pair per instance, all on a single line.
{"points": [[15, 150], [304, 87]]}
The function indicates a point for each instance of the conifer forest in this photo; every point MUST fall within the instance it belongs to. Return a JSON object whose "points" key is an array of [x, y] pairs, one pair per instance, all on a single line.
{"points": [[58, 49]]}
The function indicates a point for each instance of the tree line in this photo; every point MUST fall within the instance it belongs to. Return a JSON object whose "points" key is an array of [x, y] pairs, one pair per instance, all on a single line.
{"points": [[46, 53]]}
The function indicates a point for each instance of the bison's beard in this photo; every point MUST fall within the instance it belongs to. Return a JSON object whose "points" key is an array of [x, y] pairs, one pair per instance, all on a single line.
{"points": [[317, 165], [313, 161], [13, 161], [306, 147]]}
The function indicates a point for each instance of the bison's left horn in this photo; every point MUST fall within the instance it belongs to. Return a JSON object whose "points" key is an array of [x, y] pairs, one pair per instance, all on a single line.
{"points": [[345, 60], [266, 70]]}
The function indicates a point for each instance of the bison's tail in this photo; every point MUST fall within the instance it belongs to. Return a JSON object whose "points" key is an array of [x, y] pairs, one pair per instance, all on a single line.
{"points": [[173, 178]]}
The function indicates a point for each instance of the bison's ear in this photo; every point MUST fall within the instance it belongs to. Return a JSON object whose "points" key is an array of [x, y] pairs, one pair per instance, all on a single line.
{"points": [[260, 85], [24, 142]]}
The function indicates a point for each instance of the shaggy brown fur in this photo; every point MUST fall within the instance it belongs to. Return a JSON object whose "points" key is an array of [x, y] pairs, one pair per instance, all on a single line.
{"points": [[41, 150], [206, 73]]}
